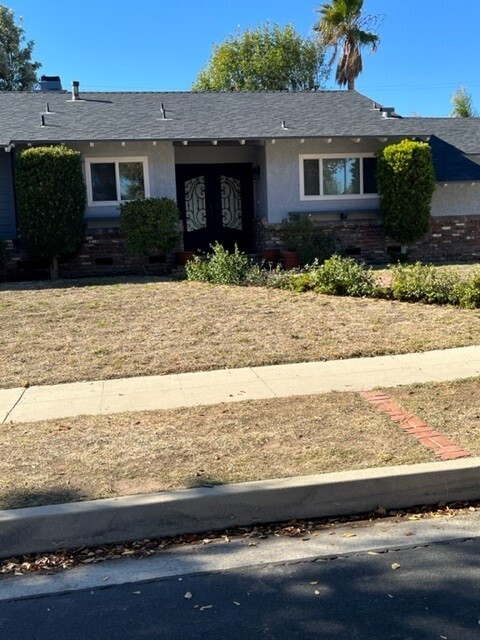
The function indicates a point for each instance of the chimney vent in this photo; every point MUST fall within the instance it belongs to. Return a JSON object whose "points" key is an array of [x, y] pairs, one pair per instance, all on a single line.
{"points": [[75, 90], [387, 112], [50, 83]]}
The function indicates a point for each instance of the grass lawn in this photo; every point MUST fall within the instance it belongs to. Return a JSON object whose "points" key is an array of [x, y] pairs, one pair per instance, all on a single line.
{"points": [[103, 456], [69, 333], [451, 407]]}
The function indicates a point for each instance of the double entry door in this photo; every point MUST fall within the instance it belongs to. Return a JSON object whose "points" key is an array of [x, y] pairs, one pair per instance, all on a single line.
{"points": [[216, 203]]}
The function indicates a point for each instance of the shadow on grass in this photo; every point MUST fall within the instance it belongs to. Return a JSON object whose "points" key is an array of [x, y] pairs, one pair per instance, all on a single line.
{"points": [[203, 480], [18, 499], [94, 281]]}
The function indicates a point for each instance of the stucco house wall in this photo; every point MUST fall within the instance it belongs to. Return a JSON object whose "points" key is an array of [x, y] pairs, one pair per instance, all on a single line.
{"points": [[283, 171], [456, 199], [160, 163]]}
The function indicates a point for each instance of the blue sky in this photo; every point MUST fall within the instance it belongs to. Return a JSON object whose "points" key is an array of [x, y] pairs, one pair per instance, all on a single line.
{"points": [[428, 48]]}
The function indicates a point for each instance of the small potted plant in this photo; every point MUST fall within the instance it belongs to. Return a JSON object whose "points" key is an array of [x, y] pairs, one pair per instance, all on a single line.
{"points": [[270, 254], [303, 241]]}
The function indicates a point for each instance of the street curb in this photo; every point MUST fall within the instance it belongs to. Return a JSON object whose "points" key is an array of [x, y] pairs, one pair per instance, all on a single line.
{"points": [[171, 513]]}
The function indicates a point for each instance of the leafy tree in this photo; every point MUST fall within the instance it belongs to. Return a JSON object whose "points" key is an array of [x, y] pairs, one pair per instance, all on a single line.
{"points": [[342, 26], [406, 182], [51, 202], [462, 104], [266, 58], [17, 71]]}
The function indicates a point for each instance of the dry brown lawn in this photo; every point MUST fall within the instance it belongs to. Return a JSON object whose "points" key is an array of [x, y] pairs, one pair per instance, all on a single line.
{"points": [[103, 456], [452, 408], [71, 333]]}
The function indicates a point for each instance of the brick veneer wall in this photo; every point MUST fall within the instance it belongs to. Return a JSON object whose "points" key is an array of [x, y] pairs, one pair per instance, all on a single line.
{"points": [[450, 238], [102, 253]]}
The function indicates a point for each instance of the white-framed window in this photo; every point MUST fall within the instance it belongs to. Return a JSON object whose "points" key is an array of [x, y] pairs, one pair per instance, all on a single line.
{"points": [[111, 181], [337, 176]]}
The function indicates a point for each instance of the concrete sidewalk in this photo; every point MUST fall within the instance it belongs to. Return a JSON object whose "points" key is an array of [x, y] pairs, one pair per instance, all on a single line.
{"points": [[233, 385]]}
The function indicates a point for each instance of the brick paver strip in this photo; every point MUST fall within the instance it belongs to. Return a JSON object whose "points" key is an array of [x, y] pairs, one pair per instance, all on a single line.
{"points": [[444, 448]]}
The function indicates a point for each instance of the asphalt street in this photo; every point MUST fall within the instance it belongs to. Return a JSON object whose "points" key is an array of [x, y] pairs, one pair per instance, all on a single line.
{"points": [[426, 592]]}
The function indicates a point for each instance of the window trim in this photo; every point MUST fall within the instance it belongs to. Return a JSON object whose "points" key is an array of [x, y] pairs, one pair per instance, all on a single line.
{"points": [[116, 160], [320, 157]]}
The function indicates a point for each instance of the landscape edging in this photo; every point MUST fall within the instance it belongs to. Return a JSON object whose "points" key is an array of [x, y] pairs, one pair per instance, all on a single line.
{"points": [[95, 522]]}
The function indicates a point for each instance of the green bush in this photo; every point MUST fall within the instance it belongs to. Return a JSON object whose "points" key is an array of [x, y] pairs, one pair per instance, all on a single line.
{"points": [[220, 267], [343, 277], [150, 225], [425, 283], [406, 182], [468, 291], [299, 233], [51, 202]]}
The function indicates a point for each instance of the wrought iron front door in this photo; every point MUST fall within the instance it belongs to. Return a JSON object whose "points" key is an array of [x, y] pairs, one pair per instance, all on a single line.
{"points": [[216, 202]]}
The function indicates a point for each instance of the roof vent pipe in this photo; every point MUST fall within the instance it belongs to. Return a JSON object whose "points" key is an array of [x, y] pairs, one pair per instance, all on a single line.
{"points": [[75, 90], [164, 114]]}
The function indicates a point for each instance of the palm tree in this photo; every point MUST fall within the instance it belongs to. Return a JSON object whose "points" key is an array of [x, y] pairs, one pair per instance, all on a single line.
{"points": [[462, 104], [342, 25]]}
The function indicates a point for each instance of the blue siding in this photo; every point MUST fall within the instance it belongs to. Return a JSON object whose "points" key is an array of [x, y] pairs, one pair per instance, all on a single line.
{"points": [[7, 206]]}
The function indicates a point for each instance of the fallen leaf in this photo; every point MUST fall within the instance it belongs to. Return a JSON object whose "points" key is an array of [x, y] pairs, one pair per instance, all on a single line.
{"points": [[348, 535], [207, 606], [372, 553], [314, 582], [136, 593], [188, 595], [237, 603], [395, 566], [317, 592]]}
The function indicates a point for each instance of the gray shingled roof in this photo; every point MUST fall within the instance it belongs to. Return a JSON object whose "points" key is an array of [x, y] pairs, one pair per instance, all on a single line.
{"points": [[222, 116]]}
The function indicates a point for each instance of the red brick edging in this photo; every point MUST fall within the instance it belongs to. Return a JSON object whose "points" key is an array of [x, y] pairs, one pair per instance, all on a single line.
{"points": [[444, 448]]}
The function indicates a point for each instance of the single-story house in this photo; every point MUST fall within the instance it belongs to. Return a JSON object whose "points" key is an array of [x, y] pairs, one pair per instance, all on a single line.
{"points": [[239, 163]]}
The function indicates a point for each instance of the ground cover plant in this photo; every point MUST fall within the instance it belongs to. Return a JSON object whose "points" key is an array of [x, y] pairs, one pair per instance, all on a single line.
{"points": [[93, 457], [122, 328], [343, 276]]}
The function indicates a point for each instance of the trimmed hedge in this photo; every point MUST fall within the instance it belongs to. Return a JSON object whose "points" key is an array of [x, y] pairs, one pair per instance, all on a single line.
{"points": [[406, 182], [150, 225], [51, 201]]}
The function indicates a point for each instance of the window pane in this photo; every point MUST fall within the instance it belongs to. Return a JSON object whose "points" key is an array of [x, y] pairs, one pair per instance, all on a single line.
{"points": [[370, 175], [131, 181], [103, 181], [311, 177], [341, 176]]}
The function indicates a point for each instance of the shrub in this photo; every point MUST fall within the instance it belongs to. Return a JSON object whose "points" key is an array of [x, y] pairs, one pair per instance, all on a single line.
{"points": [[150, 225], [220, 267], [468, 291], [51, 202], [299, 234], [343, 277], [406, 182], [425, 283]]}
